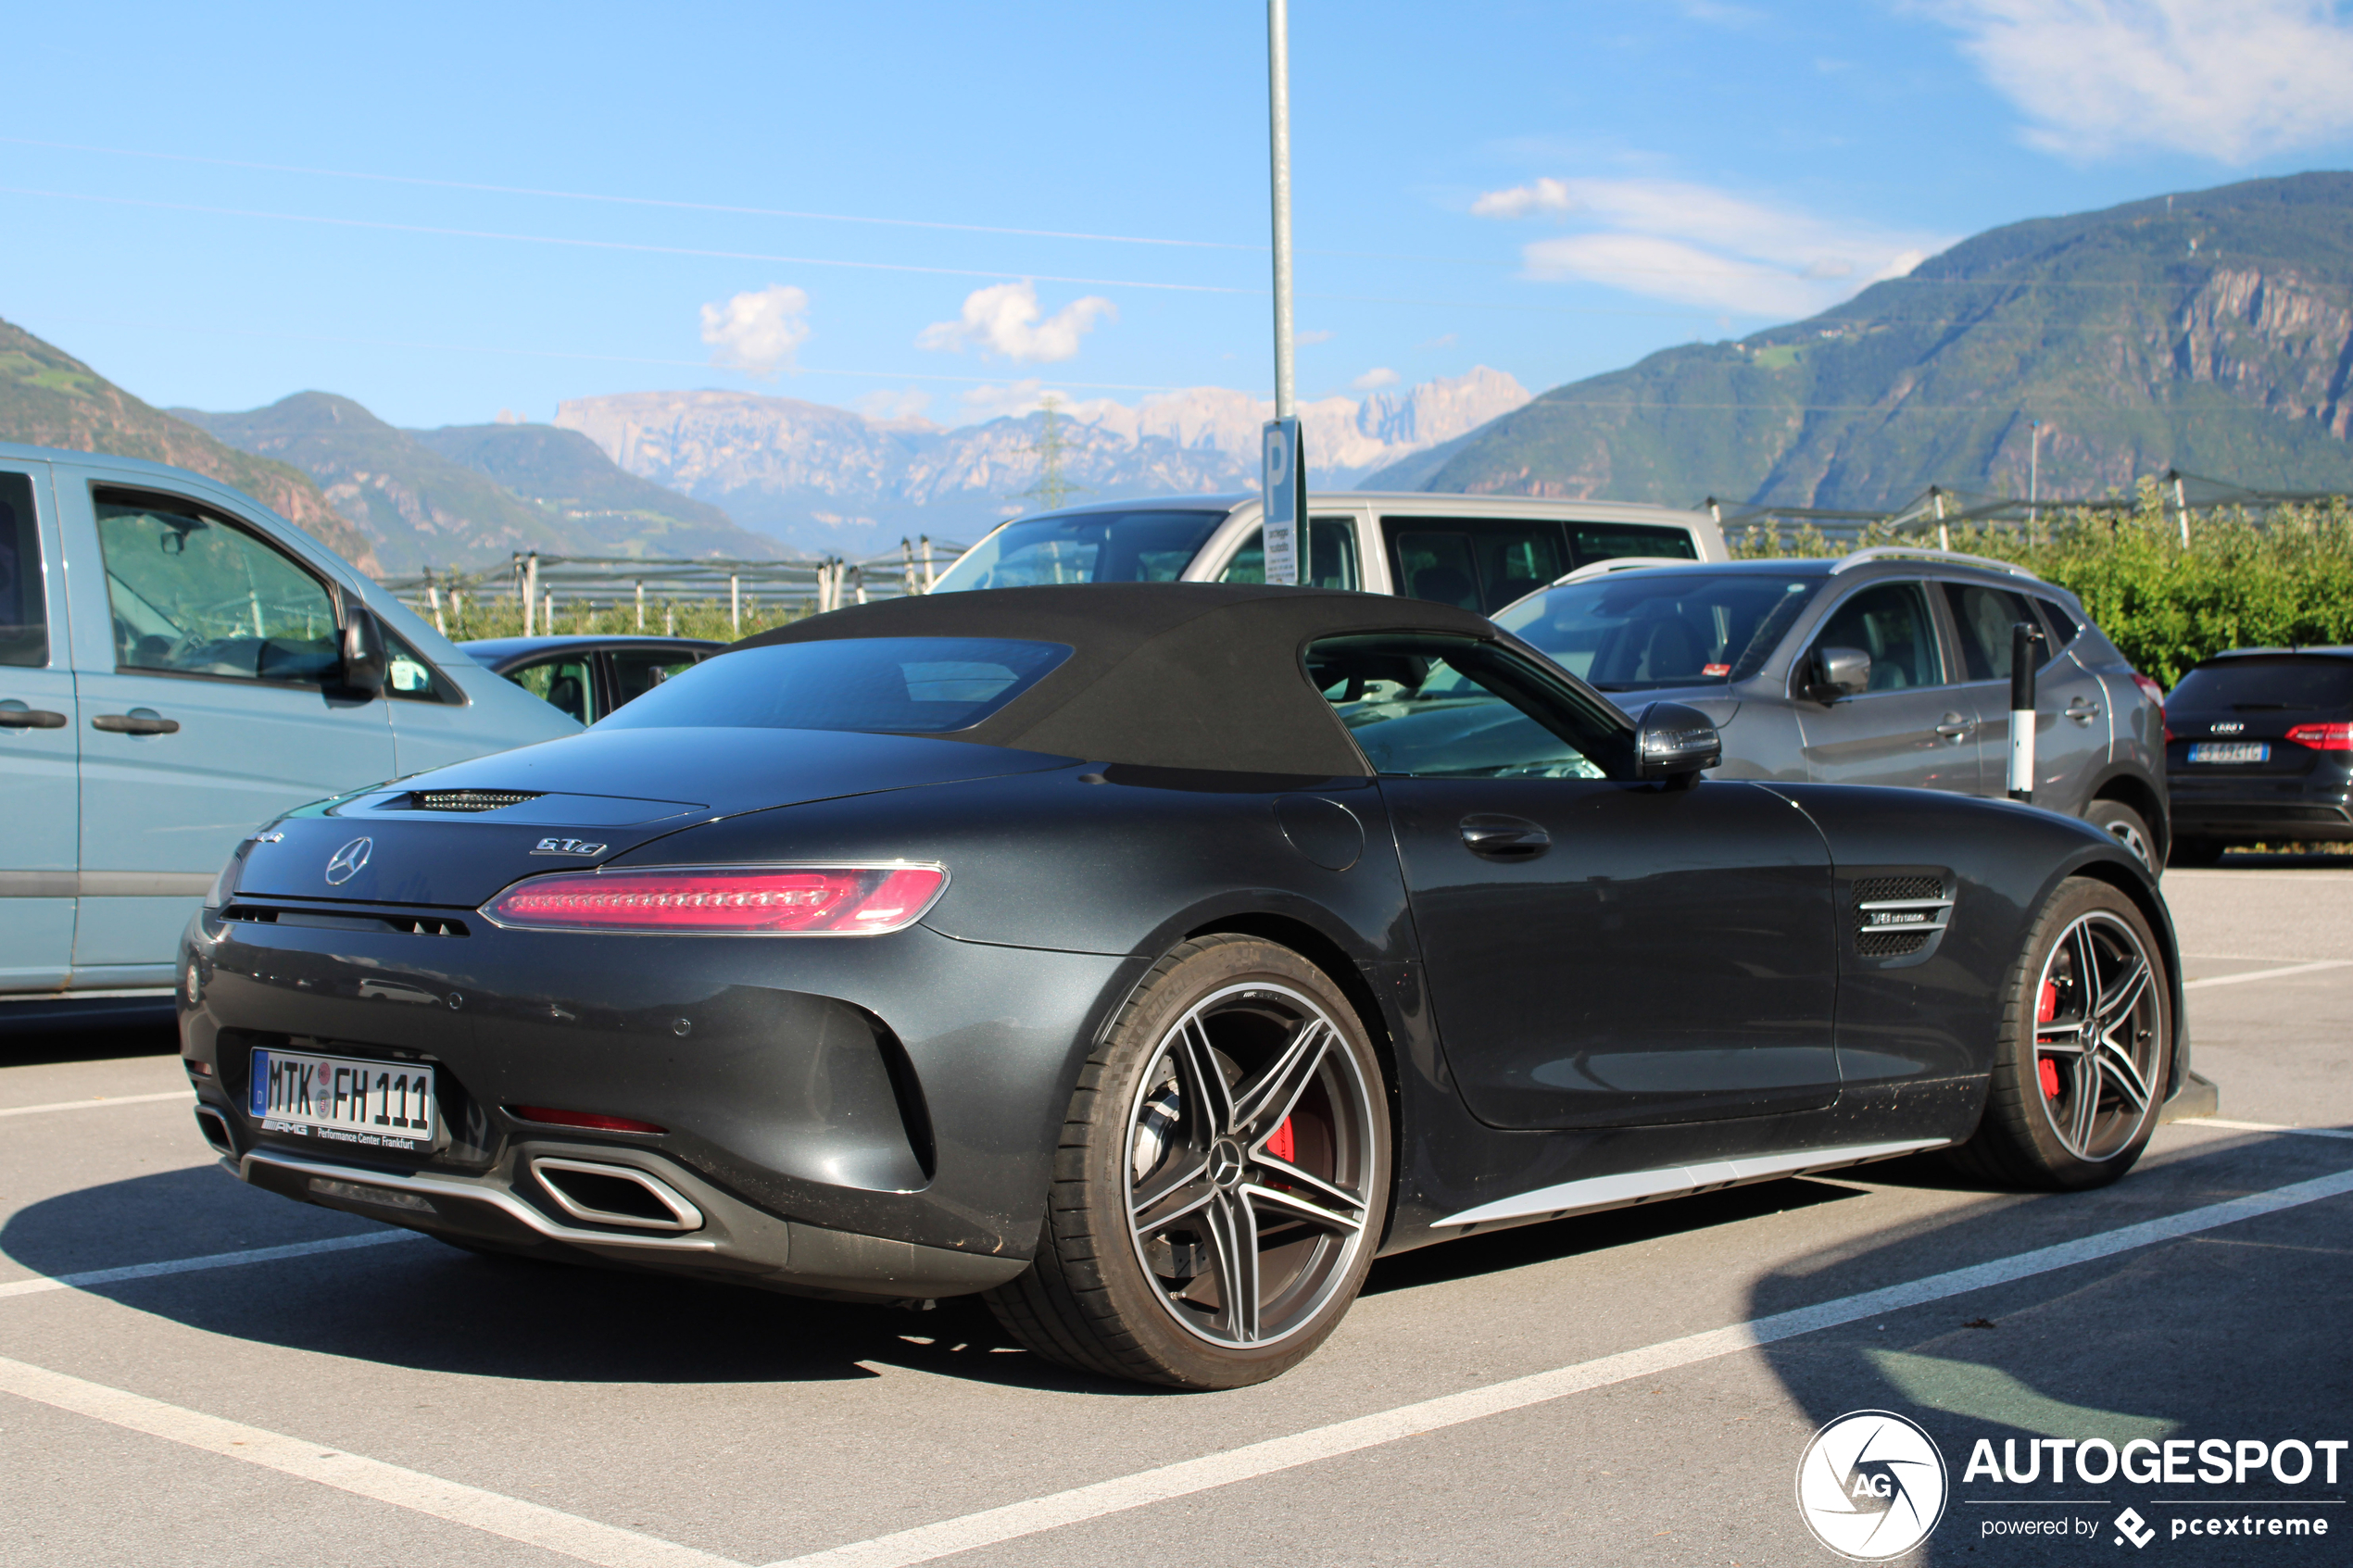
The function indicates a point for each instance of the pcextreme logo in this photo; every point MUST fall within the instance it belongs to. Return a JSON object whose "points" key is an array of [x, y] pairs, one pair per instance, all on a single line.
{"points": [[1871, 1485]]}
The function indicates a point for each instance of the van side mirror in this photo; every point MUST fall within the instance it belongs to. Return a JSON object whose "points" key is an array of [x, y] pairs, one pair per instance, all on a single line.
{"points": [[1674, 744], [1839, 672], [363, 650]]}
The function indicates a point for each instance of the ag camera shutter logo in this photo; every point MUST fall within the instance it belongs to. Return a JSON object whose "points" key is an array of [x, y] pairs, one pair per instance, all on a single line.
{"points": [[1871, 1485]]}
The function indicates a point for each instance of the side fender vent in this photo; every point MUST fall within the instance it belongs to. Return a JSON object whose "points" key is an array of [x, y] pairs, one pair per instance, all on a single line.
{"points": [[1900, 919]]}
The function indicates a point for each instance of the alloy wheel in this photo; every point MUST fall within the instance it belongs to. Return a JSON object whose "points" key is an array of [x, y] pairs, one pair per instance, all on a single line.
{"points": [[2097, 1018], [1250, 1157]]}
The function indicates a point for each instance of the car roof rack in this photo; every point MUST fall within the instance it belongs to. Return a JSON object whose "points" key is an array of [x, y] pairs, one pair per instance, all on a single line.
{"points": [[1619, 563], [1912, 552]]}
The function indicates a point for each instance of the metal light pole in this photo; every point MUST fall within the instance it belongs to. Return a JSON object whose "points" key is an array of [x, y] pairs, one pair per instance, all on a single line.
{"points": [[2034, 467], [1283, 475]]}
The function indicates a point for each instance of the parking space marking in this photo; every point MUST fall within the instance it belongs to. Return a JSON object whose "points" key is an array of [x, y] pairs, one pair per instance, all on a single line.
{"points": [[927, 1543], [489, 1512], [2272, 1127], [92, 1104], [89, 1277], [2315, 965]]}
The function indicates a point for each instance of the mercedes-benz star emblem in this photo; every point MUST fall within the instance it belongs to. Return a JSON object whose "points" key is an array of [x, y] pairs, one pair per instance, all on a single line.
{"points": [[346, 862]]}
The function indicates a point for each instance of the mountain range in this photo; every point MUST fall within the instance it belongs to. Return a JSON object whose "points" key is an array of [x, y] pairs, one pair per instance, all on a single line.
{"points": [[832, 481], [2210, 332]]}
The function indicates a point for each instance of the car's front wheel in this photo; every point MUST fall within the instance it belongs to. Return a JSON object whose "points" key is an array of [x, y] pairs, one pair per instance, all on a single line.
{"points": [[2085, 1050], [1221, 1181]]}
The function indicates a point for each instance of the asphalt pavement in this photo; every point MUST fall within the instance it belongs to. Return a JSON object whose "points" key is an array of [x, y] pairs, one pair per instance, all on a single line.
{"points": [[195, 1373]]}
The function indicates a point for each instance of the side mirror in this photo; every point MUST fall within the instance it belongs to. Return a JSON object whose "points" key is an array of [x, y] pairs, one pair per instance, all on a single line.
{"points": [[1839, 672], [1674, 744], [363, 651]]}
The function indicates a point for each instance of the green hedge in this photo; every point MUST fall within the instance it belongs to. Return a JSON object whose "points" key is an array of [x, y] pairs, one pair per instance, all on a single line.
{"points": [[2286, 580]]}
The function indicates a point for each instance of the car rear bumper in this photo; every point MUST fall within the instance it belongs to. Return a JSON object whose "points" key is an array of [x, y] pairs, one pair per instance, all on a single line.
{"points": [[2251, 811]]}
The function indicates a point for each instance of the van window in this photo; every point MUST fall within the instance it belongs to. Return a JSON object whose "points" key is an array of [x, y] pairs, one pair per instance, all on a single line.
{"points": [[1331, 555], [194, 594], [1590, 542], [1153, 546], [1474, 563], [24, 619]]}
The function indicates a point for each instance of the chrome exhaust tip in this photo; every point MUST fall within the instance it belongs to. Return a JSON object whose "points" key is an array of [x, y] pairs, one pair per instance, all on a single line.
{"points": [[615, 1194]]}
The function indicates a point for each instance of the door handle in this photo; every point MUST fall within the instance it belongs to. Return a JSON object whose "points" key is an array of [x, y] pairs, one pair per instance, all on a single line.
{"points": [[30, 719], [2083, 711], [1955, 726], [1498, 837], [134, 724]]}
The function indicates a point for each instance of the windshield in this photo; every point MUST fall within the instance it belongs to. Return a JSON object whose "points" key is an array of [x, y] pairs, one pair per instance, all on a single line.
{"points": [[1153, 546], [918, 685], [1646, 629], [2252, 685]]}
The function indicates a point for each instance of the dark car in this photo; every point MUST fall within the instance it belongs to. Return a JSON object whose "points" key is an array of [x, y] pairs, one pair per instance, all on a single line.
{"points": [[1148, 958], [2258, 744], [1889, 666], [589, 676]]}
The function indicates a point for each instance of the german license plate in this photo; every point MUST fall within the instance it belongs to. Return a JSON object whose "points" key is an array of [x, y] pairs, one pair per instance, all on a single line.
{"points": [[344, 1099], [2231, 751]]}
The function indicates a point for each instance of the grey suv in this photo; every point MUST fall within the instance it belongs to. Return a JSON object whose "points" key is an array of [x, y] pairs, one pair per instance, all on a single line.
{"points": [[1887, 667]]}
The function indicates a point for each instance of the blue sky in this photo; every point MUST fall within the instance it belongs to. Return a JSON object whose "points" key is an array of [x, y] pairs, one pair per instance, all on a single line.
{"points": [[1551, 189]]}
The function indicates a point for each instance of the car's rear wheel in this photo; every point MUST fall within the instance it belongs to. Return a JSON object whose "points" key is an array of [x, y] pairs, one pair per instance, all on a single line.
{"points": [[2126, 826], [2085, 1048], [2196, 852], [1222, 1177]]}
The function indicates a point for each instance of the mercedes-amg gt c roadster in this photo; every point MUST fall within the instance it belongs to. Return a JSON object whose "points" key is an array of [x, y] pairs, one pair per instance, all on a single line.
{"points": [[1148, 958]]}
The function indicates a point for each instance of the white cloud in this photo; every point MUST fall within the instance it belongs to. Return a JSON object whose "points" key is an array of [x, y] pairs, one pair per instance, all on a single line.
{"points": [[993, 402], [1699, 245], [757, 333], [906, 403], [1005, 318], [1375, 379], [2231, 80], [1319, 335], [1443, 340]]}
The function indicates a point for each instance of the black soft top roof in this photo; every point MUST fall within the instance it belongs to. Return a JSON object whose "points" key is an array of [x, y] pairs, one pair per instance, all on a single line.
{"points": [[1160, 674]]}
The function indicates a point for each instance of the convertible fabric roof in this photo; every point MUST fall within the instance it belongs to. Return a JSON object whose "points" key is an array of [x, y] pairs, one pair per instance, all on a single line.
{"points": [[1161, 674]]}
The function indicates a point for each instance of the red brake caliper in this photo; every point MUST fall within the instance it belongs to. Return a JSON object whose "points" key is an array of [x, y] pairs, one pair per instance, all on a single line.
{"points": [[2045, 1009], [1281, 1144]]}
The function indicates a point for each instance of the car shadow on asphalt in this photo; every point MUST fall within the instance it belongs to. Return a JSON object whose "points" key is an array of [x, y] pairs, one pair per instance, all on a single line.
{"points": [[36, 1032]]}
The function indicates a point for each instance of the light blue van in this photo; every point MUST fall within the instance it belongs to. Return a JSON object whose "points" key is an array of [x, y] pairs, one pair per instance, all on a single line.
{"points": [[179, 664]]}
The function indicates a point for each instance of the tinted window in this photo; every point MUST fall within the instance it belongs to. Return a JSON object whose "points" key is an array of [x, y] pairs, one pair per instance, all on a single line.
{"points": [[24, 622], [1331, 555], [1890, 623], [406, 675], [1476, 563], [636, 671], [1664, 628], [561, 682], [195, 594], [2250, 685], [1108, 546], [1431, 706], [1609, 540], [2063, 625], [904, 685], [1984, 617]]}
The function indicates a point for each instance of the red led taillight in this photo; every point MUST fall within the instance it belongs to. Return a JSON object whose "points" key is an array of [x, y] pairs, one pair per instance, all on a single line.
{"points": [[734, 901], [587, 1118], [2323, 737]]}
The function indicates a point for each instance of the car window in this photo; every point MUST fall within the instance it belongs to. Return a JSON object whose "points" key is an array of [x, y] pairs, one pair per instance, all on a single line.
{"points": [[2062, 620], [920, 685], [636, 671], [1984, 617], [1422, 706], [2281, 683], [1591, 542], [1153, 546], [561, 682], [408, 676], [1889, 621], [1475, 564], [194, 594], [1331, 555], [1665, 628], [24, 619]]}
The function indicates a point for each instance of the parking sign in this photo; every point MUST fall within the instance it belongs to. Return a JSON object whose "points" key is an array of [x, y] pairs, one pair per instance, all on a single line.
{"points": [[1285, 494]]}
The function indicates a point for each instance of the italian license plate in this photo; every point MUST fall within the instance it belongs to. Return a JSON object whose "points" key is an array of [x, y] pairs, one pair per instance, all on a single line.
{"points": [[344, 1099], [2231, 751]]}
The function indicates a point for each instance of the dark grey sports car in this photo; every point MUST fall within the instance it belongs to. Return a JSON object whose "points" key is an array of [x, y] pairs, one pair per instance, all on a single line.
{"points": [[1150, 958]]}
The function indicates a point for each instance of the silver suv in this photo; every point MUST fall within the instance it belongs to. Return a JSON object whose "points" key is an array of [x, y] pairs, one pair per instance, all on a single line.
{"points": [[1887, 667]]}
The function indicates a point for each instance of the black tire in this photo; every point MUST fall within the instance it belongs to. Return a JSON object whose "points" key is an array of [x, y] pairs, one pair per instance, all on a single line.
{"points": [[2126, 826], [2197, 852], [1115, 1294], [2030, 1135]]}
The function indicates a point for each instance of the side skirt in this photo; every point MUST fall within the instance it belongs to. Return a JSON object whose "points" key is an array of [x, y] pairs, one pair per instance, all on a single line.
{"points": [[1674, 1181]]}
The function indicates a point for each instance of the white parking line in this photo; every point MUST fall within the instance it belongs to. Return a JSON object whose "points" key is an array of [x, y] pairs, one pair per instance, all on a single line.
{"points": [[94, 1104], [2269, 1127], [511, 1517], [89, 1277], [2267, 973]]}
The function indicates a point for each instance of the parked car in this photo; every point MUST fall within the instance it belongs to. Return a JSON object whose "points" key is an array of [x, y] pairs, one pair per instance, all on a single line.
{"points": [[1475, 552], [179, 664], [1890, 665], [1147, 958], [587, 677], [2258, 744]]}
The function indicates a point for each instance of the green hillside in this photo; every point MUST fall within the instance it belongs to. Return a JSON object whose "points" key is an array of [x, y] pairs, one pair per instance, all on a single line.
{"points": [[48, 398], [2210, 332]]}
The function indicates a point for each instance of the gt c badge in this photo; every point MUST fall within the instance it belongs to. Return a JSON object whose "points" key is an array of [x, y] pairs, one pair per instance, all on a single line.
{"points": [[346, 862], [567, 847]]}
